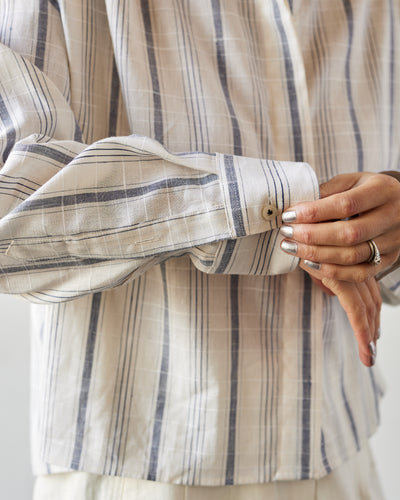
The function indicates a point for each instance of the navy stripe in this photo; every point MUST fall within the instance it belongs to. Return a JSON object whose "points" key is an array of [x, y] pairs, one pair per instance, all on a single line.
{"points": [[126, 366], [86, 379], [136, 314], [108, 231], [54, 3], [325, 461], [42, 33], [354, 121], [306, 380], [157, 117], [393, 288], [50, 361], [78, 133], [234, 196], [13, 178], [306, 321], [46, 104], [13, 185], [348, 409], [190, 94], [114, 101], [45, 151], [53, 264], [230, 461], [221, 61], [195, 82], [162, 387], [102, 197], [291, 88], [10, 129], [228, 252], [376, 393]]}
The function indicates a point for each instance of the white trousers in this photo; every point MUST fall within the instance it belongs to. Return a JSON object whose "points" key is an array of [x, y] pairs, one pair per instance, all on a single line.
{"points": [[355, 480]]}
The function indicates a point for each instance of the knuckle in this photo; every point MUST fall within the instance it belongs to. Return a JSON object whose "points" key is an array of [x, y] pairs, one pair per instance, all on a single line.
{"points": [[313, 253], [331, 272], [348, 206], [350, 256], [359, 275], [352, 235], [390, 184], [359, 254], [311, 212], [307, 236]]}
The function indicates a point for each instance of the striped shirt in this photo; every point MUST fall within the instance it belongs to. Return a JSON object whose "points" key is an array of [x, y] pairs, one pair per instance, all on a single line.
{"points": [[148, 149]]}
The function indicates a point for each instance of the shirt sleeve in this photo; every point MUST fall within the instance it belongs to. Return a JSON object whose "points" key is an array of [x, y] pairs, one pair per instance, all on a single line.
{"points": [[78, 218], [390, 278], [390, 288]]}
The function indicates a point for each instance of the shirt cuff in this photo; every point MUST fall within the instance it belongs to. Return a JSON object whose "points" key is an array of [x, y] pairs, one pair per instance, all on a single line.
{"points": [[256, 192]]}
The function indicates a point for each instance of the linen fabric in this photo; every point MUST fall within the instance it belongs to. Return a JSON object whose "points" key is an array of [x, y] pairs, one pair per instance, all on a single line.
{"points": [[355, 480], [148, 151]]}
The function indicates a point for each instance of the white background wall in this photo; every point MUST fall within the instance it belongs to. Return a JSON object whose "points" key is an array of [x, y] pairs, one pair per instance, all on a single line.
{"points": [[15, 476]]}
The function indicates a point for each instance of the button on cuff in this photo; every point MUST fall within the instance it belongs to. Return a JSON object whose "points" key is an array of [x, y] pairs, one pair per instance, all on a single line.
{"points": [[269, 212]]}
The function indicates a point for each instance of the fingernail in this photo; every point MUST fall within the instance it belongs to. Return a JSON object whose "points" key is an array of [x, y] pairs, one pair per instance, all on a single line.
{"points": [[313, 265], [287, 231], [289, 246], [372, 348], [289, 216]]}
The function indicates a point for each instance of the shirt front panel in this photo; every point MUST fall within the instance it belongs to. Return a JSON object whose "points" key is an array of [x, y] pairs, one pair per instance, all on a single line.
{"points": [[209, 379]]}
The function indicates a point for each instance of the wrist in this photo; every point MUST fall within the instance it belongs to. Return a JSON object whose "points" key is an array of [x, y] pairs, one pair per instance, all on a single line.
{"points": [[392, 173]]}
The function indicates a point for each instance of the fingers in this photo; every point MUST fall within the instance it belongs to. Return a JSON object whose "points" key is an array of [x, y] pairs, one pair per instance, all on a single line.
{"points": [[344, 197], [343, 263], [338, 184], [373, 309], [357, 273], [360, 304], [330, 236], [344, 233], [345, 256], [340, 248], [375, 291]]}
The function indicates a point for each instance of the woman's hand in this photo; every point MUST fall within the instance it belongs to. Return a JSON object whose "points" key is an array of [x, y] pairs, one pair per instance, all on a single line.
{"points": [[331, 235], [362, 303]]}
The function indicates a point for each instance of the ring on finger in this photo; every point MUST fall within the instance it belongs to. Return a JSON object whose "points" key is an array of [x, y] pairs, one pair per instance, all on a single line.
{"points": [[375, 256]]}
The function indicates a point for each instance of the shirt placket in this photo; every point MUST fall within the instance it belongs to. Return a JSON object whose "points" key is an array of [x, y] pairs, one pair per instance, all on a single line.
{"points": [[299, 406]]}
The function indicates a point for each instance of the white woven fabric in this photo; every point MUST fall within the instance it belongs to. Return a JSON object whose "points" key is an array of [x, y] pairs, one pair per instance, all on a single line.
{"points": [[143, 144]]}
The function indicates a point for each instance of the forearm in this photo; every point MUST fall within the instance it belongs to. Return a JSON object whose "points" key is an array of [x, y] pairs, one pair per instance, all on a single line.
{"points": [[79, 218]]}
